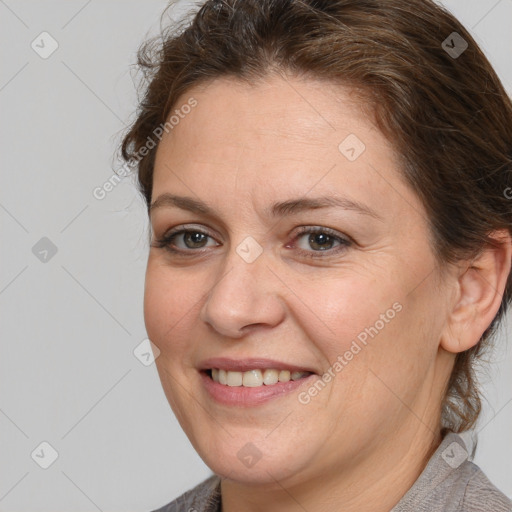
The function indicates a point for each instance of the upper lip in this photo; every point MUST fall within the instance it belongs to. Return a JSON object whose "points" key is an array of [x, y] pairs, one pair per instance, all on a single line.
{"points": [[250, 363]]}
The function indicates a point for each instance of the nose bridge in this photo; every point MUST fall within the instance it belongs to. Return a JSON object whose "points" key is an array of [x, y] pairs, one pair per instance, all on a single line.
{"points": [[245, 292]]}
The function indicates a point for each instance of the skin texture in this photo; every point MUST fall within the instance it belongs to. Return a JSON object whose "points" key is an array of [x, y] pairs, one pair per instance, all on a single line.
{"points": [[364, 439]]}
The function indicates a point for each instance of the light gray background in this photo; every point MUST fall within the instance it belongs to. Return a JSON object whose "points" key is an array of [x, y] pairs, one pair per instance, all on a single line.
{"points": [[68, 374]]}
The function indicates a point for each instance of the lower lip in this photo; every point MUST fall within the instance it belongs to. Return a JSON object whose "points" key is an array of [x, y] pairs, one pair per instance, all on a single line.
{"points": [[241, 396]]}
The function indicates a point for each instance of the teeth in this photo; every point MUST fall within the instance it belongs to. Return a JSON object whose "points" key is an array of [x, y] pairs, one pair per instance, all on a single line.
{"points": [[284, 376], [234, 379], [270, 377], [255, 378], [252, 378]]}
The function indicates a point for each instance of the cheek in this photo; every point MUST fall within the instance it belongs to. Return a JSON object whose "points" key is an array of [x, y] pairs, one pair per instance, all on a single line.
{"points": [[372, 327], [344, 308], [169, 300]]}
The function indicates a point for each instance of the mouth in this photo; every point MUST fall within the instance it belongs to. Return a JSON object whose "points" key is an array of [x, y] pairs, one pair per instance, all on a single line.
{"points": [[254, 378], [251, 382]]}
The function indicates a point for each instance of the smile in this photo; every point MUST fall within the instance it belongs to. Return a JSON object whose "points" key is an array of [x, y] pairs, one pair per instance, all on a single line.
{"points": [[254, 378], [252, 388]]}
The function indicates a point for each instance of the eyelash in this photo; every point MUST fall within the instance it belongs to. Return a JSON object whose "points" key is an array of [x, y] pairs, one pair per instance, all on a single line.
{"points": [[344, 243]]}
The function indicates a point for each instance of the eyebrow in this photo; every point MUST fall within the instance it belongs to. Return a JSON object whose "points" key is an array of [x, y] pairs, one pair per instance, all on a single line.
{"points": [[279, 209]]}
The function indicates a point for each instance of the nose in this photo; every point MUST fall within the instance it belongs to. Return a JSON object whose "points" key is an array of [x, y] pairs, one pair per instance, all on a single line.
{"points": [[245, 295]]}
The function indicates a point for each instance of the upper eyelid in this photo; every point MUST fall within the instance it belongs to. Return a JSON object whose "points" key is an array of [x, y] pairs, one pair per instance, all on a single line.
{"points": [[186, 228], [303, 229]]}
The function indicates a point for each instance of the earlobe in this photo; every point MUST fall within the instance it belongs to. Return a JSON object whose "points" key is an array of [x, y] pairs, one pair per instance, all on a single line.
{"points": [[480, 288]]}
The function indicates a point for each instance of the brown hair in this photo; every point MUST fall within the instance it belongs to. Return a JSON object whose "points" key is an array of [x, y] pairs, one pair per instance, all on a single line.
{"points": [[440, 104]]}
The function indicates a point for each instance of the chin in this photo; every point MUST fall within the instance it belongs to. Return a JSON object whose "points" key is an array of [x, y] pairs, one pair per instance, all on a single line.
{"points": [[243, 462]]}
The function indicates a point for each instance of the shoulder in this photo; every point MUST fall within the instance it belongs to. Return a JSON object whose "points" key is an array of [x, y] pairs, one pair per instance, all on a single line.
{"points": [[452, 483], [480, 495], [204, 497]]}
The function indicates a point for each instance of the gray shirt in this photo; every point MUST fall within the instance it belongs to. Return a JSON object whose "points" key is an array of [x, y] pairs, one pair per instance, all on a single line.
{"points": [[449, 483]]}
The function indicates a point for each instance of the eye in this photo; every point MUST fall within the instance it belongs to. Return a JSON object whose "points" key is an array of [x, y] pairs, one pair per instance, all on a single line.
{"points": [[183, 240], [321, 240]]}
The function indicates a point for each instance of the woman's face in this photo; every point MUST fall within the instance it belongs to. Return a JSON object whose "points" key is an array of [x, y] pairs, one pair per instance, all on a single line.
{"points": [[354, 296]]}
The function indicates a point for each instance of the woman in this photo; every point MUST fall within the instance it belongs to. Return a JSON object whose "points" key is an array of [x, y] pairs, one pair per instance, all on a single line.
{"points": [[330, 250]]}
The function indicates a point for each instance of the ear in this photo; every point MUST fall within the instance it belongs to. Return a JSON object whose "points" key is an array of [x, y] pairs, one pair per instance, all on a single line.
{"points": [[479, 291]]}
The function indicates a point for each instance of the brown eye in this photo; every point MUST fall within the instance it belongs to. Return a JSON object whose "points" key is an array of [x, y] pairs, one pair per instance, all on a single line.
{"points": [[320, 240], [184, 241], [193, 239]]}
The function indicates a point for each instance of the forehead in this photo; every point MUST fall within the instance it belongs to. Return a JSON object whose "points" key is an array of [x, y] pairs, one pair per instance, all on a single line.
{"points": [[295, 110], [280, 137]]}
